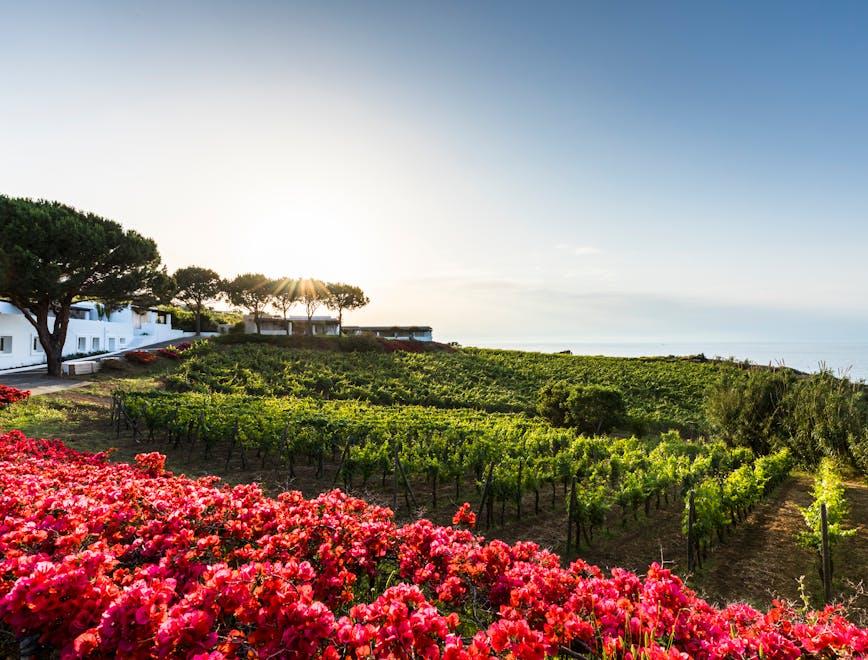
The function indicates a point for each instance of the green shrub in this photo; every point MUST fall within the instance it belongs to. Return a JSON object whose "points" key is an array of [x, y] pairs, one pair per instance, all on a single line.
{"points": [[829, 490], [826, 416], [552, 402], [588, 408], [813, 415], [749, 412], [184, 319]]}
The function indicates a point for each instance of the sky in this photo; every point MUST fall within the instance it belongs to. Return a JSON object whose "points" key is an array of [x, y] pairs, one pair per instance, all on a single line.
{"points": [[539, 171]]}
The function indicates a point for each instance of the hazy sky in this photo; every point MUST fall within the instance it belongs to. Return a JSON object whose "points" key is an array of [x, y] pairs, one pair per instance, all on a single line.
{"points": [[538, 171]]}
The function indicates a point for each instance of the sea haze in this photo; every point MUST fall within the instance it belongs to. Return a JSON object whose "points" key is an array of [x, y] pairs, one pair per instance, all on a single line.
{"points": [[849, 358]]}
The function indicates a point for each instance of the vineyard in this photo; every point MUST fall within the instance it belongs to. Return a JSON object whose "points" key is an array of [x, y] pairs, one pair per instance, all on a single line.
{"points": [[661, 392], [102, 559], [502, 462]]}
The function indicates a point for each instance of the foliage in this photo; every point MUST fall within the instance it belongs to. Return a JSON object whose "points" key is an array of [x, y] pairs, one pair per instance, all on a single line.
{"points": [[284, 295], [174, 352], [749, 412], [511, 454], [589, 408], [342, 296], [101, 559], [184, 319], [826, 416], [829, 490], [9, 395], [724, 498], [54, 254], [666, 392], [813, 415], [340, 343], [141, 357], [251, 291], [312, 293], [194, 287]]}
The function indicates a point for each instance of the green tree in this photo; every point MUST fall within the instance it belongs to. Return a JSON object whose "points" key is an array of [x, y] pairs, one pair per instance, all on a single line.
{"points": [[311, 293], [342, 296], [195, 286], [54, 254], [253, 292], [284, 296]]}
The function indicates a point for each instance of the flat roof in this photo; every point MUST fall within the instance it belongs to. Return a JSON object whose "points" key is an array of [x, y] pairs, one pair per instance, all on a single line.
{"points": [[376, 328]]}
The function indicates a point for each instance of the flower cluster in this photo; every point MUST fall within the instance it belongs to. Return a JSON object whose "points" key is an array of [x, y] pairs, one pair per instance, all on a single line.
{"points": [[141, 357], [175, 352], [101, 559], [9, 395]]}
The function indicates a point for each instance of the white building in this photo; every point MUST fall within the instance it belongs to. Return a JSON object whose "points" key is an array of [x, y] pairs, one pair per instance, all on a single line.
{"points": [[275, 325], [417, 332], [89, 331]]}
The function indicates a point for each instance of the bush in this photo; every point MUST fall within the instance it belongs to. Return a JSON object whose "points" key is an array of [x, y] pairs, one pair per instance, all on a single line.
{"points": [[812, 415], [174, 352], [339, 343], [826, 416], [141, 357], [749, 413], [9, 395], [588, 408], [184, 319]]}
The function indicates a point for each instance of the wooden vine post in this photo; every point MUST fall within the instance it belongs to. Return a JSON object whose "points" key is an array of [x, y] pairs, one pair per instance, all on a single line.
{"points": [[485, 492], [691, 536], [827, 554], [571, 508], [395, 480]]}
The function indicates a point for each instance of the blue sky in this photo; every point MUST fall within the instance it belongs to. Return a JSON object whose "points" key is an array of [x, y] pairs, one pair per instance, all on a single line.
{"points": [[563, 171]]}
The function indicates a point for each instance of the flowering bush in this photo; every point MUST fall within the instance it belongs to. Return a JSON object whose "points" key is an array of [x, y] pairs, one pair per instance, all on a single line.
{"points": [[174, 352], [9, 395], [100, 559], [141, 357]]}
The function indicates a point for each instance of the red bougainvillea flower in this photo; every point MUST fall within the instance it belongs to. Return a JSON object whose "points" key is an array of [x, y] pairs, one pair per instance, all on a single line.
{"points": [[465, 516], [111, 560]]}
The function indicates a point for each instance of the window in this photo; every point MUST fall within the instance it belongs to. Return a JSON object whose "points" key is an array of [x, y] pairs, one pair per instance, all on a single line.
{"points": [[5, 344], [111, 343], [37, 347], [94, 344], [82, 344], [123, 340]]}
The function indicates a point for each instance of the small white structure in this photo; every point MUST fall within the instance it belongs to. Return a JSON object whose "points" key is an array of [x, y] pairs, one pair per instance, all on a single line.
{"points": [[275, 325], [90, 330], [417, 332]]}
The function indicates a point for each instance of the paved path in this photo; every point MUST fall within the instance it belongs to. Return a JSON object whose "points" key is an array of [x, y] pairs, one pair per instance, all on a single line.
{"points": [[40, 383]]}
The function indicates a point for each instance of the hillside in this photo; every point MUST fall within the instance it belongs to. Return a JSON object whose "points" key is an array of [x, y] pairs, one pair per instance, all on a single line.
{"points": [[662, 392]]}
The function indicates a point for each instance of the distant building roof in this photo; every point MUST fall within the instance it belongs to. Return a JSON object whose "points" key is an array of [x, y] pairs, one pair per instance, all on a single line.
{"points": [[294, 319], [388, 328]]}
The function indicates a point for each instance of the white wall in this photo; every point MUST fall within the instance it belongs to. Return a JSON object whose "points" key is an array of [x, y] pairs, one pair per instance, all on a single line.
{"points": [[83, 336]]}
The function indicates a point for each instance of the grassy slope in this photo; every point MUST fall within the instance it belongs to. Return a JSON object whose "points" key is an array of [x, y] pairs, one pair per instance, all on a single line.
{"points": [[664, 392]]}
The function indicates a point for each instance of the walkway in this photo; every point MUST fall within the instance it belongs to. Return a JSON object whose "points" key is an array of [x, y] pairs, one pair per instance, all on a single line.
{"points": [[40, 383]]}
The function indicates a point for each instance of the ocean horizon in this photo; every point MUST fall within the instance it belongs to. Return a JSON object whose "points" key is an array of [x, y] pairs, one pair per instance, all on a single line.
{"points": [[843, 358]]}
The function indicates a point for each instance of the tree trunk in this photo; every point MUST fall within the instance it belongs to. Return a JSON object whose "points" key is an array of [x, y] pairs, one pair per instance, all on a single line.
{"points": [[54, 362], [198, 319], [310, 325], [285, 323], [340, 321], [52, 341]]}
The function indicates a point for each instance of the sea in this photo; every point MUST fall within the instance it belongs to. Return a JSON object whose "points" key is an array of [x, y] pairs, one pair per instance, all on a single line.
{"points": [[843, 358]]}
